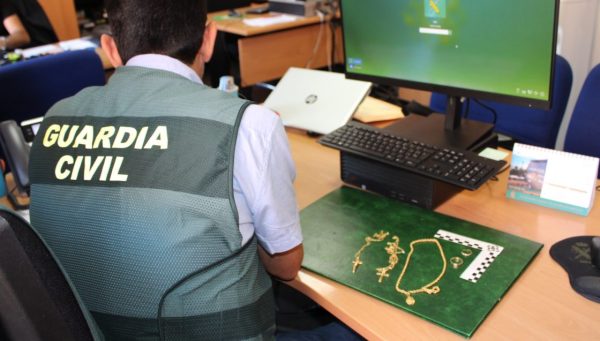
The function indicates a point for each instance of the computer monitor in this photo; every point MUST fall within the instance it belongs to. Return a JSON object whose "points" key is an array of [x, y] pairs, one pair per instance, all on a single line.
{"points": [[89, 4], [486, 49]]}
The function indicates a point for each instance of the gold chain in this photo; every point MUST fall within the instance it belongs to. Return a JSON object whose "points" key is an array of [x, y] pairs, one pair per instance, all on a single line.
{"points": [[377, 237], [431, 287], [393, 249]]}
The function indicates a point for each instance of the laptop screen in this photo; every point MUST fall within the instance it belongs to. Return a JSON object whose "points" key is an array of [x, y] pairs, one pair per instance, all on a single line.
{"points": [[30, 128]]}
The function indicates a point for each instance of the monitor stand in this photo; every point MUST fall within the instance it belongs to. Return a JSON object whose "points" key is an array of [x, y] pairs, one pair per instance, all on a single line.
{"points": [[446, 130]]}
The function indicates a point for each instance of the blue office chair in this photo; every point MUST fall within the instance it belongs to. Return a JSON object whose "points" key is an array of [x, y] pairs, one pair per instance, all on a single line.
{"points": [[31, 87], [537, 127], [584, 127]]}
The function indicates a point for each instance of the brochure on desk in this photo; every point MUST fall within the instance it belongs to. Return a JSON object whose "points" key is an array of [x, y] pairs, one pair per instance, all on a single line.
{"points": [[553, 178], [336, 226]]}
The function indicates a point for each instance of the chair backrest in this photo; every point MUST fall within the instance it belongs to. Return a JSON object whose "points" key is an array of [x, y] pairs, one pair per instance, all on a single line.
{"points": [[16, 152], [584, 127], [38, 302], [537, 127], [31, 87]]}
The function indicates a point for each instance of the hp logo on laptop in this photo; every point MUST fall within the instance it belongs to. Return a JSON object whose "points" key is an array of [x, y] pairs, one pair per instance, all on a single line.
{"points": [[311, 99]]}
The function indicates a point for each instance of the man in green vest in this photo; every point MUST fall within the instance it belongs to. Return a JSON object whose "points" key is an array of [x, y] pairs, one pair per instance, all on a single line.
{"points": [[167, 202]]}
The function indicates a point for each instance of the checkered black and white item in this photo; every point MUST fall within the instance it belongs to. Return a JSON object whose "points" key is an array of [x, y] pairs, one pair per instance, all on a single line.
{"points": [[485, 258]]}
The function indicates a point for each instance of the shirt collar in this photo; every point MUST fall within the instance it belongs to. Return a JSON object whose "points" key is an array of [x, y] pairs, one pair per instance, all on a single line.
{"points": [[165, 63]]}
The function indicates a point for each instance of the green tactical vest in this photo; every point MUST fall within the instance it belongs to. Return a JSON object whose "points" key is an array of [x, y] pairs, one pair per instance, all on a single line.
{"points": [[132, 188]]}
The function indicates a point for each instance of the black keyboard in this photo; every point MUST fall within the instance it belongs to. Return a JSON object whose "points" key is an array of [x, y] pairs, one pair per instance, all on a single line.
{"points": [[455, 166]]}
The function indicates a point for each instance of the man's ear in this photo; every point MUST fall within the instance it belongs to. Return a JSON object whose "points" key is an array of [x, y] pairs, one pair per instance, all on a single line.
{"points": [[208, 42], [110, 49]]}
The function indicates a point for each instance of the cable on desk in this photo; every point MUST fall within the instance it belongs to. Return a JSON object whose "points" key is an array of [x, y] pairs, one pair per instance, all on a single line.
{"points": [[389, 94], [330, 47], [502, 170], [332, 8], [494, 113], [467, 107], [319, 38]]}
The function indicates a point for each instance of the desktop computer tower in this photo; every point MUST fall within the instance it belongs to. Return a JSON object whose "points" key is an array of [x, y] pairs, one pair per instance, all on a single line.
{"points": [[393, 182]]}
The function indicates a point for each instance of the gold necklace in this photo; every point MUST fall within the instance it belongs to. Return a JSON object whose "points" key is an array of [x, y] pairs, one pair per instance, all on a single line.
{"points": [[377, 237], [392, 249], [431, 287]]}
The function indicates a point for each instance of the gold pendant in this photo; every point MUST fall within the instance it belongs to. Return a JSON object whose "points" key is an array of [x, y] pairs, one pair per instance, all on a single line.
{"points": [[377, 237], [392, 249]]}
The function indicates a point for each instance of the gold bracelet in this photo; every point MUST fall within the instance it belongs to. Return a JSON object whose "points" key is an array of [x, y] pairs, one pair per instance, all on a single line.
{"points": [[431, 287], [377, 237]]}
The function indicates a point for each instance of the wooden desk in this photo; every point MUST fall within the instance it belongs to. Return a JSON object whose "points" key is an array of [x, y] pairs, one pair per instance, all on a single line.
{"points": [[56, 48], [540, 306], [265, 53], [23, 199], [4, 202]]}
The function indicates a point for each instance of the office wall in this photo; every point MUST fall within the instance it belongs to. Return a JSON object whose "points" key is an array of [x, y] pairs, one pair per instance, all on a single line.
{"points": [[579, 32], [596, 56], [61, 14]]}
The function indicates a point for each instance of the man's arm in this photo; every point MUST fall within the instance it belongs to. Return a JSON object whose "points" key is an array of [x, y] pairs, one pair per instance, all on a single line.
{"points": [[18, 35], [285, 265], [264, 171]]}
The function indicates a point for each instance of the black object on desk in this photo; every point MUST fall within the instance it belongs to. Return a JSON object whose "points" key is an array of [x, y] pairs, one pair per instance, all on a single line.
{"points": [[234, 14], [457, 167], [258, 10], [579, 257], [219, 5]]}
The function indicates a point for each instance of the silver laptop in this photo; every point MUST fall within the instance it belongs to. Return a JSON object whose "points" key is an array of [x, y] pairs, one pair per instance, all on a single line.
{"points": [[317, 101]]}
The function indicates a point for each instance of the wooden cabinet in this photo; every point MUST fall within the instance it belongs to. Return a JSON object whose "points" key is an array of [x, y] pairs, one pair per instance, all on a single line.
{"points": [[61, 14]]}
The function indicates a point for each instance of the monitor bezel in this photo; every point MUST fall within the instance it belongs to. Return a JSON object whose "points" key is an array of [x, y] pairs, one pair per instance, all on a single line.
{"points": [[458, 91]]}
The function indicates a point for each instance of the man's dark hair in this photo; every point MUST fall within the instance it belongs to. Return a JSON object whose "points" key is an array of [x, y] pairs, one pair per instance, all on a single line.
{"points": [[170, 27]]}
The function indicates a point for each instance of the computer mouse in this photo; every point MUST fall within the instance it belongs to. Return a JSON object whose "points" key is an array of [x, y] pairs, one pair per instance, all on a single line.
{"points": [[234, 14]]}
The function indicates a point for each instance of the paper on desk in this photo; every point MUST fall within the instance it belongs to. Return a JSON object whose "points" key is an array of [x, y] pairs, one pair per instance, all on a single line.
{"points": [[77, 44], [373, 109], [40, 50], [493, 154], [272, 20]]}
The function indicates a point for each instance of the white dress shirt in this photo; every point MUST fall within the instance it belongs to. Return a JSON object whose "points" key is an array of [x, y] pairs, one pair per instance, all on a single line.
{"points": [[263, 170]]}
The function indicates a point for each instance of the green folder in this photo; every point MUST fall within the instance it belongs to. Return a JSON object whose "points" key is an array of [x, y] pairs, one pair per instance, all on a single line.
{"points": [[335, 228]]}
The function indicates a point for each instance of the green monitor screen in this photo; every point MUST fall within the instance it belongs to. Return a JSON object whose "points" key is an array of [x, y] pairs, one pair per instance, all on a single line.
{"points": [[487, 49]]}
